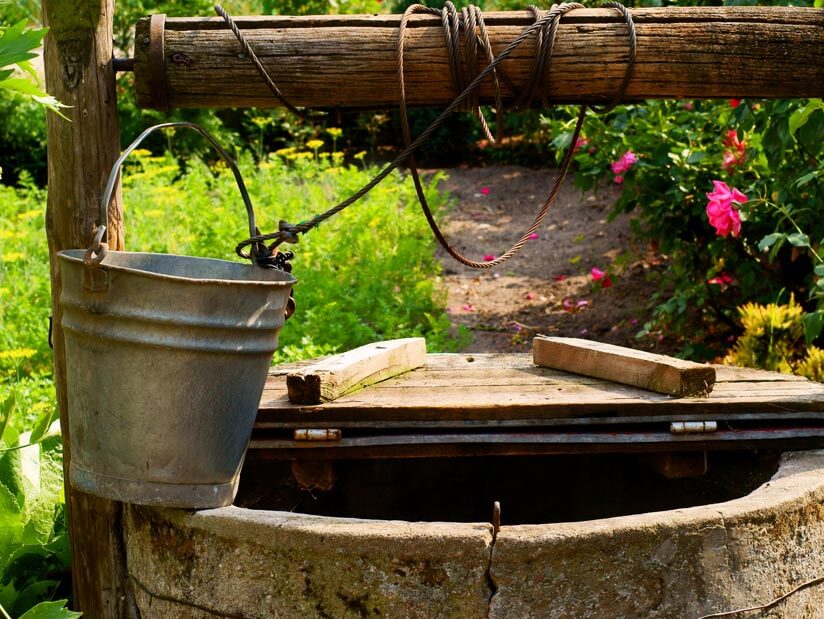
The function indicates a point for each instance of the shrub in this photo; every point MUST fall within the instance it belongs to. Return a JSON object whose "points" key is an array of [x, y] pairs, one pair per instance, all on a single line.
{"points": [[772, 151], [773, 339]]}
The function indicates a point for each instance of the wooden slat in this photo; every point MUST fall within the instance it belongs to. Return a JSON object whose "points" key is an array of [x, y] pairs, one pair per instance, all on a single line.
{"points": [[536, 393], [329, 379], [623, 365], [350, 61]]}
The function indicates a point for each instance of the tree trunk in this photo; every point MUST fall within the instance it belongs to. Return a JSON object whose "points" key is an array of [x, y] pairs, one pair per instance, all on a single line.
{"points": [[350, 61], [78, 52]]}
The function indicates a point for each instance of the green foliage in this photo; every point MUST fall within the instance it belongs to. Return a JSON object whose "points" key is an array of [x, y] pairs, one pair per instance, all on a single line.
{"points": [[23, 136], [368, 273], [17, 45], [773, 339], [34, 549], [681, 150]]}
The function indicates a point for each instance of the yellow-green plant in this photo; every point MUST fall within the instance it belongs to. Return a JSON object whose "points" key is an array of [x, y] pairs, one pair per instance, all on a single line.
{"points": [[812, 366], [773, 339]]}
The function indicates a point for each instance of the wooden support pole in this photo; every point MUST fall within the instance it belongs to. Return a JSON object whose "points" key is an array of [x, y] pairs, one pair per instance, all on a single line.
{"points": [[350, 61], [78, 53]]}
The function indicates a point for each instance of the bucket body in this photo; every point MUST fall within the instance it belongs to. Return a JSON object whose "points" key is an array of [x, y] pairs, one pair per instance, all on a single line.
{"points": [[166, 359]]}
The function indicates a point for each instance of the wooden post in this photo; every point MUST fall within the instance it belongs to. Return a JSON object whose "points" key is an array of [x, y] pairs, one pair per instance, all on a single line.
{"points": [[78, 53], [350, 60]]}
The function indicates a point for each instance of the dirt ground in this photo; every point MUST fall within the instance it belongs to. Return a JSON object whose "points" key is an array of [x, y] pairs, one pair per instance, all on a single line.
{"points": [[548, 288]]}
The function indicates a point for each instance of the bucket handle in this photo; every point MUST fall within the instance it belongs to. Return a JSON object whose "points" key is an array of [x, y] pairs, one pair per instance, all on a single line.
{"points": [[97, 251]]}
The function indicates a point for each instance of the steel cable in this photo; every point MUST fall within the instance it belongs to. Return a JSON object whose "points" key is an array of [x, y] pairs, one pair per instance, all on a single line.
{"points": [[472, 24]]}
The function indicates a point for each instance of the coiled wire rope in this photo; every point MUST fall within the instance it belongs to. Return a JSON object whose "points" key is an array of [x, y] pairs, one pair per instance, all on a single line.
{"points": [[466, 80]]}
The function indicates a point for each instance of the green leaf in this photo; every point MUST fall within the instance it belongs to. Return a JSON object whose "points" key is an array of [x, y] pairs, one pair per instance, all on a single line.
{"points": [[51, 610], [813, 324], [42, 423], [807, 178], [17, 43], [6, 409], [697, 156], [819, 269], [798, 239], [799, 118], [23, 86], [819, 4], [767, 242]]}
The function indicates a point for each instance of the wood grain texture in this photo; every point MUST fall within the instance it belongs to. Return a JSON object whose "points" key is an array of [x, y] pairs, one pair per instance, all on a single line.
{"points": [[350, 61], [77, 53], [623, 365], [509, 388], [331, 378]]}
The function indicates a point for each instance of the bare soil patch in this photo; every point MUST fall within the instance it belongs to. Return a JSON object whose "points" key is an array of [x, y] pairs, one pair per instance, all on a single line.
{"points": [[548, 288]]}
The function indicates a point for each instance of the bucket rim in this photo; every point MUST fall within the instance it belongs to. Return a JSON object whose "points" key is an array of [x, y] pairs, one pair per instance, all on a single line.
{"points": [[76, 256]]}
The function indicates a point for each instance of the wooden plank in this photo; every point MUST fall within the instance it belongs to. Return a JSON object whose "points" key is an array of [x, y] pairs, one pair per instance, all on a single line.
{"points": [[519, 397], [333, 377], [618, 364], [77, 56], [350, 61]]}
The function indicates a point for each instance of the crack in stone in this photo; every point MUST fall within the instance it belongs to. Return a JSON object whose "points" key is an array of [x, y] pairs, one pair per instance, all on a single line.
{"points": [[728, 587], [168, 598], [492, 586]]}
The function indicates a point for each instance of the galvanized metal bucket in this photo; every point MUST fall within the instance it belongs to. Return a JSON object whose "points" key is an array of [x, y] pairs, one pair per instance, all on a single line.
{"points": [[166, 361]]}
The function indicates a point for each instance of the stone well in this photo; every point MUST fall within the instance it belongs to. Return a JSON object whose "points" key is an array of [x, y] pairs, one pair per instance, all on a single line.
{"points": [[237, 562]]}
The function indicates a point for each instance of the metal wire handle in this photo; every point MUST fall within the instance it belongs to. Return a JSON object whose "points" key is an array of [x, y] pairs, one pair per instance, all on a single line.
{"points": [[100, 237]]}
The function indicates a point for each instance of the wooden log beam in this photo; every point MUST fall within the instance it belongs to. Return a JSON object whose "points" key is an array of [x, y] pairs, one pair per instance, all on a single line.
{"points": [[349, 61], [78, 54]]}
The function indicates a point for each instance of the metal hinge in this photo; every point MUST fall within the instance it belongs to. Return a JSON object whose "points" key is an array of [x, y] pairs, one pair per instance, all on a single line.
{"points": [[693, 427], [310, 434]]}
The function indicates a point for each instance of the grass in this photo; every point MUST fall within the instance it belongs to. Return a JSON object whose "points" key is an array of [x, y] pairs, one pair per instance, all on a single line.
{"points": [[369, 273]]}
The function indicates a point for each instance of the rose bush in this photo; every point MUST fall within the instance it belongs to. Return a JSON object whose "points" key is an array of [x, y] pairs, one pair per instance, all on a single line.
{"points": [[728, 192]]}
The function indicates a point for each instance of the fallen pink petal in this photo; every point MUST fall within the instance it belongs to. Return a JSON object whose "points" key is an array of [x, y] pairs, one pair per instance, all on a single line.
{"points": [[489, 257], [582, 303], [529, 296], [485, 191], [468, 308], [597, 274], [559, 278], [533, 236], [567, 304]]}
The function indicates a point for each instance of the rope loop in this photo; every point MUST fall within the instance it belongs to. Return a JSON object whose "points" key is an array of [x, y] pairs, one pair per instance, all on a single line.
{"points": [[466, 39]]}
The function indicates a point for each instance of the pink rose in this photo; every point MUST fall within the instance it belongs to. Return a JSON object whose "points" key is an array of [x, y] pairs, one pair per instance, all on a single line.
{"points": [[737, 157], [721, 210], [581, 143], [618, 179], [734, 103], [627, 160], [721, 279]]}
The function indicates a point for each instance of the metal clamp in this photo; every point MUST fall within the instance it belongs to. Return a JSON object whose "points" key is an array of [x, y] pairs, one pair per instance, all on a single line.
{"points": [[96, 279]]}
